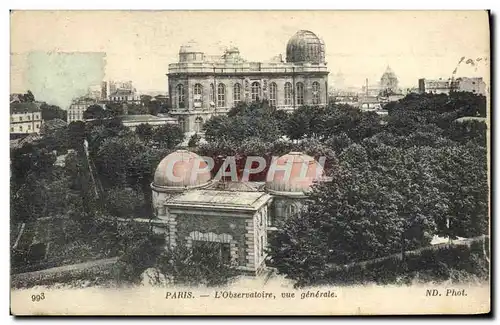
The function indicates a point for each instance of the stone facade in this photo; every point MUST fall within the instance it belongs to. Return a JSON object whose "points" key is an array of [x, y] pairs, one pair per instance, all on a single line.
{"points": [[25, 118], [239, 218], [201, 86]]}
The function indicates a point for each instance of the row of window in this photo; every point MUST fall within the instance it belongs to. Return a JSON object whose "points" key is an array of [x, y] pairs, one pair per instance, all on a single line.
{"points": [[255, 94], [20, 127], [28, 118], [75, 115]]}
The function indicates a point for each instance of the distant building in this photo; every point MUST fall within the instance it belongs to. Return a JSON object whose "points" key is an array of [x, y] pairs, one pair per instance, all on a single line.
{"points": [[132, 121], [201, 86], [389, 83], [345, 97], [434, 86], [444, 86], [474, 85], [119, 92], [370, 103], [25, 117], [78, 106]]}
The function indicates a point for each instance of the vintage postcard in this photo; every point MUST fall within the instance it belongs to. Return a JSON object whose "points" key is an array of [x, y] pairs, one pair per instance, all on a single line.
{"points": [[249, 162]]}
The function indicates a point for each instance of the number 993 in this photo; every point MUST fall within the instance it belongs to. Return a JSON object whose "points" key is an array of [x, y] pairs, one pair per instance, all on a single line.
{"points": [[37, 298]]}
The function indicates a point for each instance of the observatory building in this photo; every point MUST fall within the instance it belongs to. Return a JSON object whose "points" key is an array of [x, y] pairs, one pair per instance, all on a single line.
{"points": [[201, 86]]}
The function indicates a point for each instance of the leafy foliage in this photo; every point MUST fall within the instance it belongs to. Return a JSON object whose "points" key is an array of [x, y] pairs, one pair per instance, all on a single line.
{"points": [[197, 267], [395, 184]]}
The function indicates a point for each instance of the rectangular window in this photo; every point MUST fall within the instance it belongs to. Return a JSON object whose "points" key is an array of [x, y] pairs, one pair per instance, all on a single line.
{"points": [[262, 245]]}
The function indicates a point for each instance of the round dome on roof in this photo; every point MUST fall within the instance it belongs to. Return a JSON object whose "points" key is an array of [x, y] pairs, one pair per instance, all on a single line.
{"points": [[294, 173], [181, 169], [305, 46]]}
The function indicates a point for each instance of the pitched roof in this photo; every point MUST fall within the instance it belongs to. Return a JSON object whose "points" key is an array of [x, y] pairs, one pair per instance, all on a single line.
{"points": [[26, 107]]}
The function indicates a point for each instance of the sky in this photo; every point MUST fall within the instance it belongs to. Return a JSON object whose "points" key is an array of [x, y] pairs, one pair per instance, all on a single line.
{"points": [[58, 54]]}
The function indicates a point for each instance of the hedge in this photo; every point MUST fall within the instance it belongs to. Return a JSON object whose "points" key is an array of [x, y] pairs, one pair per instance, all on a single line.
{"points": [[455, 262], [98, 272]]}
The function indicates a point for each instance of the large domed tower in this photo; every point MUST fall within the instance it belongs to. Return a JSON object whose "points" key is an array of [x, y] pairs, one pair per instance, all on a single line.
{"points": [[305, 47]]}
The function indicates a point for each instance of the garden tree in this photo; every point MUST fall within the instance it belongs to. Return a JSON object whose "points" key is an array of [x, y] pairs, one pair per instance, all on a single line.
{"points": [[94, 112], [298, 124], [145, 132], [123, 202], [42, 197], [324, 122], [414, 110], [244, 121], [466, 131], [463, 176], [28, 97], [194, 141], [113, 159], [99, 131], [30, 159], [154, 105], [145, 100], [338, 142], [427, 135], [168, 136], [114, 109], [344, 118], [374, 206], [138, 247], [308, 121], [137, 109], [201, 266], [54, 136], [52, 112], [76, 135], [140, 173], [468, 104], [51, 126]]}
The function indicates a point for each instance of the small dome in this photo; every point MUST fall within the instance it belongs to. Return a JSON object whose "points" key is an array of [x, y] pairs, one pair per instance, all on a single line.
{"points": [[304, 171], [180, 170], [305, 46], [190, 47]]}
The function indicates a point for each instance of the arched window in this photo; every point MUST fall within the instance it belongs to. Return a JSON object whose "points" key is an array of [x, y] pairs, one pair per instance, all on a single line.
{"points": [[288, 93], [315, 93], [221, 95], [180, 96], [236, 94], [198, 124], [211, 95], [198, 95], [300, 93], [273, 94], [255, 91]]}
